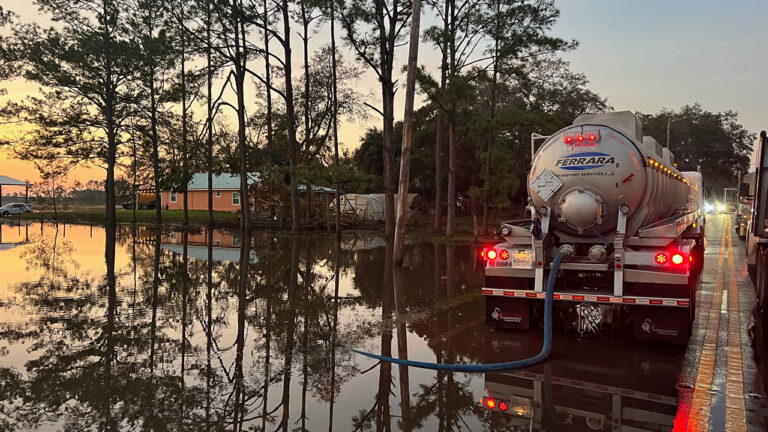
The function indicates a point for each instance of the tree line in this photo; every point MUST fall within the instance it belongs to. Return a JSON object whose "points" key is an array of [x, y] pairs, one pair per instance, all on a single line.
{"points": [[140, 87], [143, 88]]}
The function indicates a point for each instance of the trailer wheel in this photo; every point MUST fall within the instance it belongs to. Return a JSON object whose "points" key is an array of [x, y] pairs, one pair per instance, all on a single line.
{"points": [[760, 278], [692, 285], [698, 259]]}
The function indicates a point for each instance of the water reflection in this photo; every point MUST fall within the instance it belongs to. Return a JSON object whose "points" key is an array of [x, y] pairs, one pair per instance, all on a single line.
{"points": [[134, 329]]}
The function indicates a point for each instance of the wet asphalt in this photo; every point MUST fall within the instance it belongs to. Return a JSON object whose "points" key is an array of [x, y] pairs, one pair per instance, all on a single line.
{"points": [[736, 336]]}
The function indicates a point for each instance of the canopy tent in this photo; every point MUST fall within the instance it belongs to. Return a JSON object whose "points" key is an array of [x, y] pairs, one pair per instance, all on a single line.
{"points": [[367, 206], [10, 181]]}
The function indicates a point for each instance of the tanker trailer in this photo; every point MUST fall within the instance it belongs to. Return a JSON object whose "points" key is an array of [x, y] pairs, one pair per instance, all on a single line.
{"points": [[627, 222]]}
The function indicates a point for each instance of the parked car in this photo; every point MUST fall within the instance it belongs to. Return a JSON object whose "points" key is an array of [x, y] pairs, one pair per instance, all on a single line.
{"points": [[15, 208], [128, 205]]}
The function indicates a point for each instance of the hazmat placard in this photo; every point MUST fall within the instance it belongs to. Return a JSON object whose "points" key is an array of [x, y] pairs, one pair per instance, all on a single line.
{"points": [[546, 184]]}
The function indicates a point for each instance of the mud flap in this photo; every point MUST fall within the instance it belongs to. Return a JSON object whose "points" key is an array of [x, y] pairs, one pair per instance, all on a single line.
{"points": [[661, 324], [501, 312]]}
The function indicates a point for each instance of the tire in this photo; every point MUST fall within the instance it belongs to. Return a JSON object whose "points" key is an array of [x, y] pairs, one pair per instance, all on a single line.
{"points": [[6, 213], [760, 279], [692, 289]]}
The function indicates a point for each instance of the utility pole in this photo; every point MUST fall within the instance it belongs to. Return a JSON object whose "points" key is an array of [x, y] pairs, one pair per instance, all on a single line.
{"points": [[405, 156]]}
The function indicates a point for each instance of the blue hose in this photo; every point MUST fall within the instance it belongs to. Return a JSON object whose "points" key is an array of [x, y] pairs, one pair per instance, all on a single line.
{"points": [[541, 356]]}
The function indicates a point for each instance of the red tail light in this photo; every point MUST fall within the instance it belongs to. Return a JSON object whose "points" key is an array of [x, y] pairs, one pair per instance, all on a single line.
{"points": [[592, 137], [677, 259], [490, 403], [504, 254], [580, 138], [568, 139], [482, 253], [503, 406], [491, 254], [661, 258]]}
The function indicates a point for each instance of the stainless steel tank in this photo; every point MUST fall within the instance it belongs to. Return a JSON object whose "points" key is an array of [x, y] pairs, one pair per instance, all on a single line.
{"points": [[587, 171]]}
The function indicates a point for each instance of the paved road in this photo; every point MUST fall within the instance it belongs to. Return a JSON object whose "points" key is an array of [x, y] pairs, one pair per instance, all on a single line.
{"points": [[720, 363]]}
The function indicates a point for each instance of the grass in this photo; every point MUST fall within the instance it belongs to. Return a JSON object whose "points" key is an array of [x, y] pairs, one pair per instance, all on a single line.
{"points": [[174, 217]]}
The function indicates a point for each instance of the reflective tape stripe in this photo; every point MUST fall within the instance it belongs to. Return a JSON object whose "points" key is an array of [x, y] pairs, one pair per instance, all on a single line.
{"points": [[651, 301], [669, 400]]}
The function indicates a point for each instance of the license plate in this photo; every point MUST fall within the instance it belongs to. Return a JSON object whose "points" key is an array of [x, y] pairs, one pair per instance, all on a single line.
{"points": [[522, 258]]}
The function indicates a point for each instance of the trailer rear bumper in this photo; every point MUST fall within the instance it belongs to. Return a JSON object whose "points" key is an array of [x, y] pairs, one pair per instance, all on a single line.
{"points": [[589, 298]]}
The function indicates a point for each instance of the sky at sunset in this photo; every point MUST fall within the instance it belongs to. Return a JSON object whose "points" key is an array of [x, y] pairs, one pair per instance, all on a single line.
{"points": [[642, 56]]}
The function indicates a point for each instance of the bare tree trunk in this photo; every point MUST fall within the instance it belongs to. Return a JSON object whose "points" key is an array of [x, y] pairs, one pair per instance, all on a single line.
{"points": [[111, 126], [241, 60], [438, 223], [184, 149], [134, 189], [291, 114], [450, 220], [405, 155], [109, 184], [486, 184], [337, 186], [439, 132], [268, 78], [386, 49], [389, 162], [492, 138], [209, 114], [155, 151], [305, 37]]}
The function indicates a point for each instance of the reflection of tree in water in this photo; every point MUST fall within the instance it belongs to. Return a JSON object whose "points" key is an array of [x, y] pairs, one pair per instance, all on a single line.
{"points": [[200, 344], [452, 315], [54, 253]]}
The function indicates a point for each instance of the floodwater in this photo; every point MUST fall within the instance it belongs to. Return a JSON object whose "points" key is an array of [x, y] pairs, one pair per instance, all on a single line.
{"points": [[161, 331]]}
